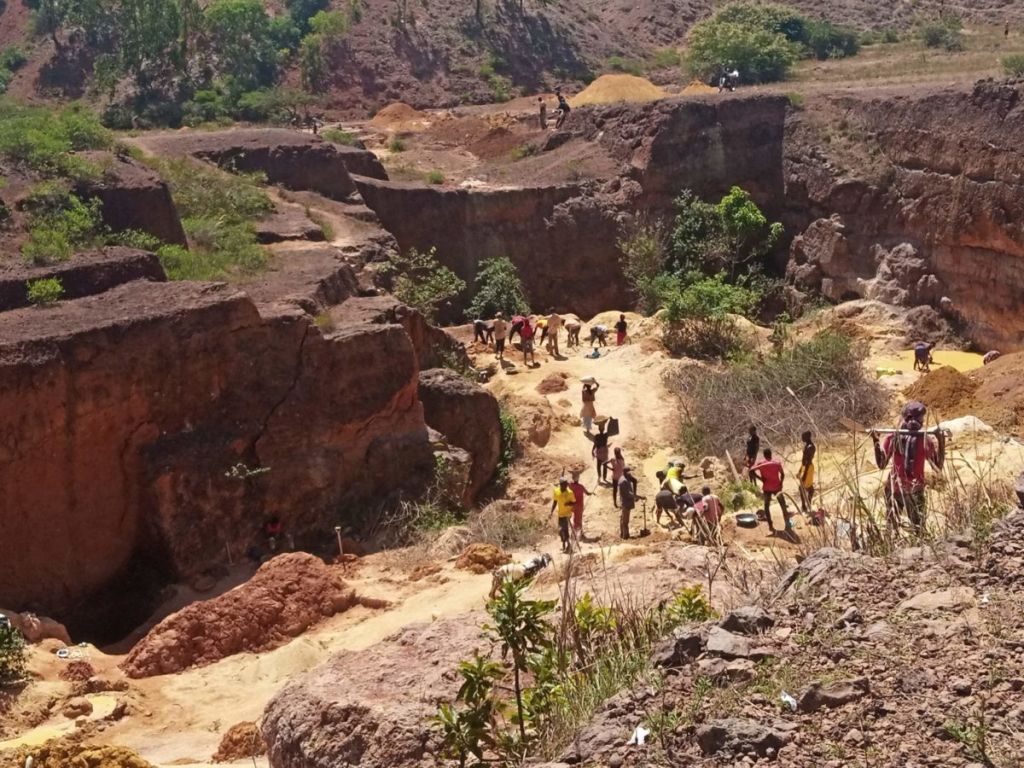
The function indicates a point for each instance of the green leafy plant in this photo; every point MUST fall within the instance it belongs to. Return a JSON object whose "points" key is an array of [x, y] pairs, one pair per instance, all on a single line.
{"points": [[338, 136], [469, 729], [760, 55], [826, 40], [509, 446], [12, 654], [435, 177], [60, 223], [419, 281], [623, 64], [397, 144], [945, 32], [665, 58], [498, 289], [643, 253], [689, 606], [1013, 65], [524, 151], [45, 291], [42, 140]]}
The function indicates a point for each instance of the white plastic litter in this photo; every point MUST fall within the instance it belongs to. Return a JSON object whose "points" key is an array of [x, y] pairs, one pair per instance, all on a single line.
{"points": [[985, 599], [639, 736], [788, 700]]}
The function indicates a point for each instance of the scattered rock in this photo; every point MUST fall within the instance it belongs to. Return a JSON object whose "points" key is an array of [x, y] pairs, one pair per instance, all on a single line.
{"points": [[851, 616], [749, 620], [953, 599], [961, 687], [726, 644], [482, 558], [739, 735], [683, 647], [77, 707], [832, 695], [67, 754]]}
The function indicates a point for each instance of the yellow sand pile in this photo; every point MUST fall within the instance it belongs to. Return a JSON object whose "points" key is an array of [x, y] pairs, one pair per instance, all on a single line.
{"points": [[610, 88], [60, 754], [399, 116], [697, 88]]}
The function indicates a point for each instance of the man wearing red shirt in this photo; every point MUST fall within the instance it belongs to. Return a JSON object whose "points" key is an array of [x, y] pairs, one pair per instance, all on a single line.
{"points": [[526, 334], [771, 474], [909, 450]]}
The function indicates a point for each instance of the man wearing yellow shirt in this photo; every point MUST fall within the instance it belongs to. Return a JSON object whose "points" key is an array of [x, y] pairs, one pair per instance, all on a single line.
{"points": [[563, 500]]}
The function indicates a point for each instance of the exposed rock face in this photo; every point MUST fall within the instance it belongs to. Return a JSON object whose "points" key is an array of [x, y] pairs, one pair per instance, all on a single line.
{"points": [[291, 159], [285, 597], [369, 708], [83, 275], [123, 413], [467, 415], [934, 208], [134, 197]]}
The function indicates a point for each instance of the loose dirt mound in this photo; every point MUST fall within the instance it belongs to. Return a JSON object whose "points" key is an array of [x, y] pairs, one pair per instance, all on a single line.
{"points": [[241, 740], [611, 88], [553, 383], [999, 397], [482, 558], [282, 600], [76, 671], [64, 755], [399, 116], [697, 88], [944, 390]]}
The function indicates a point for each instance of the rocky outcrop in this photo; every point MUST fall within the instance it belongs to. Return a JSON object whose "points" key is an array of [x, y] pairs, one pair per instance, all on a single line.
{"points": [[369, 708], [926, 204], [291, 159], [285, 597], [164, 421], [563, 238], [133, 196], [85, 274], [467, 415]]}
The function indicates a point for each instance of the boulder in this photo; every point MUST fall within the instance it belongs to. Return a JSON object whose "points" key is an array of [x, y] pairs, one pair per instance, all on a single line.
{"points": [[285, 597], [35, 628], [76, 708], [952, 599], [133, 196], [833, 695], [741, 736], [468, 416], [749, 620], [684, 646], [727, 645]]}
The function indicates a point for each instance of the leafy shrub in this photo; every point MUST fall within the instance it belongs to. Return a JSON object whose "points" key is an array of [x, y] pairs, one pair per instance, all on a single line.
{"points": [[396, 145], [1014, 65], [623, 64], [60, 223], [501, 86], [11, 60], [944, 32], [41, 140], [525, 150], [12, 655], [825, 40], [698, 318], [813, 384], [759, 55], [45, 291], [435, 177], [664, 58], [338, 136], [509, 447], [778, 19], [217, 210], [498, 289], [419, 281], [643, 250]]}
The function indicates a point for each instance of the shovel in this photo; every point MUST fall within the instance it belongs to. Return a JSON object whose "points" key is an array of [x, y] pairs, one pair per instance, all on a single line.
{"points": [[645, 531]]}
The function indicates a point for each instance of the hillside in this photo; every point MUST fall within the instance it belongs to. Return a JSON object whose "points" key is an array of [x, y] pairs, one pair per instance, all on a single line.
{"points": [[439, 55]]}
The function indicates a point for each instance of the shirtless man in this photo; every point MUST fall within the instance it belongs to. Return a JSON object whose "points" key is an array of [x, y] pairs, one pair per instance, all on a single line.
{"points": [[500, 334], [554, 326]]}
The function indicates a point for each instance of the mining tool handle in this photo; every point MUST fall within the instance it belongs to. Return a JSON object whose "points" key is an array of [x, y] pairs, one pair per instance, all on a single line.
{"points": [[886, 431]]}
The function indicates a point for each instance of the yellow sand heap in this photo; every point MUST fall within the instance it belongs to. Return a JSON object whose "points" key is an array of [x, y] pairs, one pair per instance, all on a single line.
{"points": [[610, 88], [400, 116], [697, 88]]}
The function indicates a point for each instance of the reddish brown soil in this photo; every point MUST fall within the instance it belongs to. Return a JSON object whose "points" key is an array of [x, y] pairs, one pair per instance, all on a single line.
{"points": [[943, 390], [287, 596], [481, 558], [242, 740]]}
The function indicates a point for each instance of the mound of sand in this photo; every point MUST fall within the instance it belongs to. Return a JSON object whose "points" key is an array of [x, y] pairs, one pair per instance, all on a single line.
{"points": [[697, 88], [241, 740], [284, 598], [611, 88], [62, 754], [552, 383], [481, 558], [944, 390], [399, 116]]}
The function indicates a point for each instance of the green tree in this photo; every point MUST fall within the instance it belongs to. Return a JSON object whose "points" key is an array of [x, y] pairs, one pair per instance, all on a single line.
{"points": [[523, 628], [643, 250], [498, 289], [760, 56], [302, 11], [242, 43], [418, 280], [778, 19]]}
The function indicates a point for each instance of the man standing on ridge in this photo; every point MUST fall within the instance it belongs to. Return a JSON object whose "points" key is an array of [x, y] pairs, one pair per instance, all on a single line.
{"points": [[500, 333], [753, 446], [909, 449]]}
